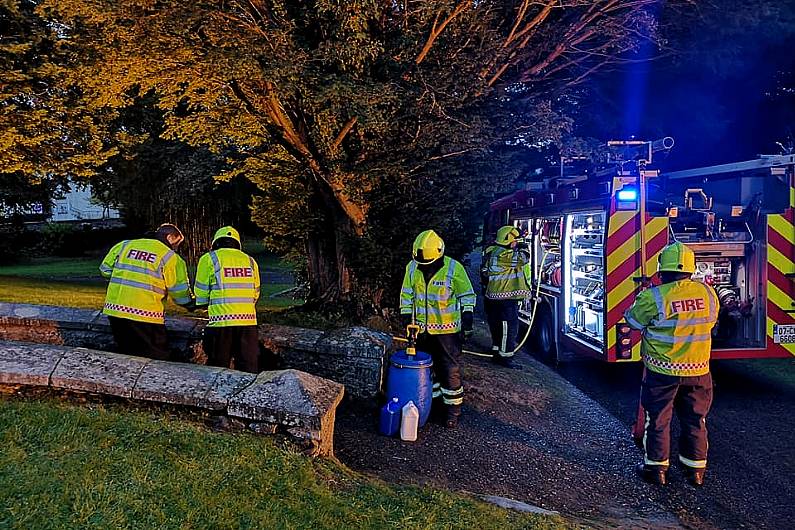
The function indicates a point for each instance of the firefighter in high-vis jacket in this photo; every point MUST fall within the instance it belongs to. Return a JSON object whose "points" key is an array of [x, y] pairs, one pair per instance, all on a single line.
{"points": [[142, 273], [505, 274], [676, 319], [438, 296], [227, 281], [488, 305]]}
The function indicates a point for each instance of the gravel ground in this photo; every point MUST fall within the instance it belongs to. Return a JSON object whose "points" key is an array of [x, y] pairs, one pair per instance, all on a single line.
{"points": [[526, 434], [751, 476], [564, 444], [531, 435]]}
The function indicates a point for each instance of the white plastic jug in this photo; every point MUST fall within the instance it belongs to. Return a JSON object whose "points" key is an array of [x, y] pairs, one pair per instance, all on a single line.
{"points": [[409, 422]]}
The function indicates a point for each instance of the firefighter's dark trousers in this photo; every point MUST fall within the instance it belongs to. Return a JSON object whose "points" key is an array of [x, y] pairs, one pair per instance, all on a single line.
{"points": [[445, 351], [691, 397], [503, 319], [227, 344], [143, 339]]}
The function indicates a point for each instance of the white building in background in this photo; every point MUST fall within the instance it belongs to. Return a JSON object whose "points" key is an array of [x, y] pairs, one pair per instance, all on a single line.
{"points": [[76, 205], [79, 204]]}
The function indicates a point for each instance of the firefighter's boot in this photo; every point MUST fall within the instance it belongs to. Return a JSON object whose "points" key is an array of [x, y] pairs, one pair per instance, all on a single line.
{"points": [[694, 476], [501, 360], [506, 362], [453, 412], [652, 474]]}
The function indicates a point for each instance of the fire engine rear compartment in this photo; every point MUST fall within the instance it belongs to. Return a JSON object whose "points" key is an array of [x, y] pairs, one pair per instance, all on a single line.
{"points": [[726, 214], [568, 251], [568, 254], [725, 222], [584, 277], [736, 273]]}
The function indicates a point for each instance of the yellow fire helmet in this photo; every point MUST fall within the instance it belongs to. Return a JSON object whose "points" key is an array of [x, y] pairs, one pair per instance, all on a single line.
{"points": [[507, 235], [226, 231], [677, 257], [428, 247]]}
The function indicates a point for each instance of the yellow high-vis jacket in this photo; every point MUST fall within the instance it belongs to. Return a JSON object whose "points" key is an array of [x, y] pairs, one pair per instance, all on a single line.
{"points": [[228, 280], [142, 273], [437, 307], [676, 320], [506, 274]]}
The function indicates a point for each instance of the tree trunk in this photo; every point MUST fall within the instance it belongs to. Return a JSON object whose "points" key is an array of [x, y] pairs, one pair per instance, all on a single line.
{"points": [[327, 265], [322, 268]]}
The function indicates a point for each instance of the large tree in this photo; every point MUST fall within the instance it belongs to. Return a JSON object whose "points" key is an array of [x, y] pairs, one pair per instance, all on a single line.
{"points": [[363, 121]]}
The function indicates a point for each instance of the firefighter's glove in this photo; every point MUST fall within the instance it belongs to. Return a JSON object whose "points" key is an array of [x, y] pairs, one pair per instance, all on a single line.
{"points": [[405, 320], [467, 323], [190, 306]]}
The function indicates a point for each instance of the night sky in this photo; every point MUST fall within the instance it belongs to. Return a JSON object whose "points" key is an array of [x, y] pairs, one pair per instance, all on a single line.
{"points": [[725, 90]]}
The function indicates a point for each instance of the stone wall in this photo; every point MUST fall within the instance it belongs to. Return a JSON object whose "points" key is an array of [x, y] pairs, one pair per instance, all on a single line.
{"points": [[355, 357], [298, 404]]}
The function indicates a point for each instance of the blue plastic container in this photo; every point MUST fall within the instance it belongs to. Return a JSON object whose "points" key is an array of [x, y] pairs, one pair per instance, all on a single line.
{"points": [[390, 418], [409, 379]]}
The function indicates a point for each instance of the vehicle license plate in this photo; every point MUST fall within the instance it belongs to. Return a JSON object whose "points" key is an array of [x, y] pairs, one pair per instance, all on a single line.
{"points": [[784, 333]]}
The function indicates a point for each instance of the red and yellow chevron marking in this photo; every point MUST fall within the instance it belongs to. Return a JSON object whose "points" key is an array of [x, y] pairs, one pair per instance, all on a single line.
{"points": [[623, 266], [780, 287]]}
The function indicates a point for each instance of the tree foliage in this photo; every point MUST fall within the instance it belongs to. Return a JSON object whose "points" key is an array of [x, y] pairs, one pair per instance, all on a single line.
{"points": [[155, 180], [44, 130], [361, 122]]}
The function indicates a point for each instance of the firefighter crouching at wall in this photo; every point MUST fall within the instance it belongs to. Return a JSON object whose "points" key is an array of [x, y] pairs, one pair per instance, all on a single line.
{"points": [[676, 319], [506, 286], [142, 273], [438, 296], [227, 280]]}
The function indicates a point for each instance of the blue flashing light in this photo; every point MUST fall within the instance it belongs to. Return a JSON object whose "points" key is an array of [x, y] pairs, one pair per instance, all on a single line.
{"points": [[628, 195]]}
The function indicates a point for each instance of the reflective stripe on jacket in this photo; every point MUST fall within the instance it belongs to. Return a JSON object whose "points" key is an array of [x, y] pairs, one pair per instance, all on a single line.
{"points": [[437, 307], [142, 273], [676, 320], [507, 275], [228, 280]]}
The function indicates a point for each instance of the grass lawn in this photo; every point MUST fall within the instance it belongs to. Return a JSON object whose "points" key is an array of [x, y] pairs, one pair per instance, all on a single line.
{"points": [[55, 268], [91, 295], [76, 282], [88, 267], [106, 466], [87, 295]]}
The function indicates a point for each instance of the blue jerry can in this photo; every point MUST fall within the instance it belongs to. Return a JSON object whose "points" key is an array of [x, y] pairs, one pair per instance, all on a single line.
{"points": [[390, 418]]}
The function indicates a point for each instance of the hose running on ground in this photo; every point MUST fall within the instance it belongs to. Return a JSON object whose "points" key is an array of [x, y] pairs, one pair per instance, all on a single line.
{"points": [[535, 303]]}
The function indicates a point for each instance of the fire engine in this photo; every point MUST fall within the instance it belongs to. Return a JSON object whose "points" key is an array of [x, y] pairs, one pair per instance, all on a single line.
{"points": [[594, 239]]}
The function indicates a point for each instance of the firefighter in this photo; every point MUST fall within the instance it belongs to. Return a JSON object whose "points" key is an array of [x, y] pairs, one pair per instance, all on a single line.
{"points": [[142, 273], [484, 266], [506, 286], [227, 280], [488, 305], [438, 296], [676, 319]]}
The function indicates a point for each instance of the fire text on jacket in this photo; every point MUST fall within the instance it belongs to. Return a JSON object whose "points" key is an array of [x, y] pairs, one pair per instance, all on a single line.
{"points": [[688, 304], [142, 255], [238, 272]]}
